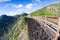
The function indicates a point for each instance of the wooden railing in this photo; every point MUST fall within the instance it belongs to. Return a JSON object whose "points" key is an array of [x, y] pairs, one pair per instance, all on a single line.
{"points": [[52, 26], [49, 27]]}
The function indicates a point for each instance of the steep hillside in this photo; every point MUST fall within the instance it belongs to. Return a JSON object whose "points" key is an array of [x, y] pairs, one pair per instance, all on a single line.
{"points": [[51, 10], [17, 29], [7, 23]]}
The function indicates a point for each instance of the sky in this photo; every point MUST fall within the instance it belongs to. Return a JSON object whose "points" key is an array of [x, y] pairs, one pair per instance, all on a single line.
{"points": [[14, 7]]}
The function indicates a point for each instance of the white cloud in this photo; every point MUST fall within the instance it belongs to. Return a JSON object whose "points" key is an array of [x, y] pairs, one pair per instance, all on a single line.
{"points": [[4, 0], [14, 5], [11, 13], [17, 6], [8, 5], [29, 6], [18, 11], [36, 1]]}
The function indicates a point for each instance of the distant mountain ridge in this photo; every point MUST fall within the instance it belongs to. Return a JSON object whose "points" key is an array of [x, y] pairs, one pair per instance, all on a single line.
{"points": [[7, 23], [4, 22]]}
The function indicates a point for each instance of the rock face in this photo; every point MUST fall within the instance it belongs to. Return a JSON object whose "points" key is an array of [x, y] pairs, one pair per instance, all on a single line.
{"points": [[37, 32]]}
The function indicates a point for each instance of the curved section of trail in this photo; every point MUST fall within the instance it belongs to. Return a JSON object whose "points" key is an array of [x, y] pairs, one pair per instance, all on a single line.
{"points": [[22, 35]]}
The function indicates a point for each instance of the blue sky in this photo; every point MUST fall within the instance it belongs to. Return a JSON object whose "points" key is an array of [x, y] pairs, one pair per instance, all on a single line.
{"points": [[13, 7]]}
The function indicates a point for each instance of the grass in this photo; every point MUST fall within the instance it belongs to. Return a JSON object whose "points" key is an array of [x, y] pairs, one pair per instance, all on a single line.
{"points": [[17, 29], [27, 37], [51, 10]]}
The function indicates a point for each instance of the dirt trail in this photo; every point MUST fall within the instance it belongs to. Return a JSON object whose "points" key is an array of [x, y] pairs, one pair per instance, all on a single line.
{"points": [[22, 35]]}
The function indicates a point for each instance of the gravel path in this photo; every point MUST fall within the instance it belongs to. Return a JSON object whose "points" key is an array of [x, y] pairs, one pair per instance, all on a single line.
{"points": [[22, 36]]}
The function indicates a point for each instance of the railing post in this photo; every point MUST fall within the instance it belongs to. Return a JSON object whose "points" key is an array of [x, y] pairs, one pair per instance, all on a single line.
{"points": [[57, 34], [46, 21], [59, 23]]}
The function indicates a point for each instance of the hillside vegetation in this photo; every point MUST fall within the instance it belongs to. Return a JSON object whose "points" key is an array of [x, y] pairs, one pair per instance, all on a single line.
{"points": [[51, 10], [17, 29], [7, 23]]}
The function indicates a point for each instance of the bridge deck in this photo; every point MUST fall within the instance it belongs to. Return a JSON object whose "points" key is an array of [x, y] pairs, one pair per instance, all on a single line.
{"points": [[41, 28], [53, 19]]}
